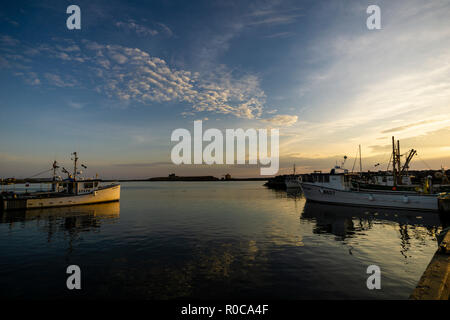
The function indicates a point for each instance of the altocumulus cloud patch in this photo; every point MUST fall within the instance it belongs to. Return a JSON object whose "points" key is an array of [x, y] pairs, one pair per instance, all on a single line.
{"points": [[131, 74]]}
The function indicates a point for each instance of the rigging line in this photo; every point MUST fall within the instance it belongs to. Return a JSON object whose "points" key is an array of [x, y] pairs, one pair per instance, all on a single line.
{"points": [[383, 157], [424, 162], [37, 174], [389, 163], [354, 162]]}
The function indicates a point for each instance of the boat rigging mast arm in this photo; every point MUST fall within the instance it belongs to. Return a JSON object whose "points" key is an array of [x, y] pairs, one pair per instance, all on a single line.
{"points": [[408, 160]]}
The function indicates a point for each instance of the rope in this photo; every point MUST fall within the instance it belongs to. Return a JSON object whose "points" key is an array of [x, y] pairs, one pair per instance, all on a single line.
{"points": [[354, 162], [389, 163], [37, 174], [424, 162]]}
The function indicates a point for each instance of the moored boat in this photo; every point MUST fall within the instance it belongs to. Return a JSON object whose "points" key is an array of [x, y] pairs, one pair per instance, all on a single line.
{"points": [[342, 187], [293, 181], [340, 192], [69, 192]]}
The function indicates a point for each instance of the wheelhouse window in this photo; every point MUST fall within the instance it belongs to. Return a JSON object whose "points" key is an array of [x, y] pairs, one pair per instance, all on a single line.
{"points": [[88, 185]]}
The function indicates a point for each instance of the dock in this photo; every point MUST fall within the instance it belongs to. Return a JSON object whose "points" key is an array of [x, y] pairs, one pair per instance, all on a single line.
{"points": [[444, 203], [435, 281]]}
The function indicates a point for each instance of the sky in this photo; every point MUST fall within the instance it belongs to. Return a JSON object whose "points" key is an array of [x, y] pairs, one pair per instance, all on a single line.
{"points": [[116, 89]]}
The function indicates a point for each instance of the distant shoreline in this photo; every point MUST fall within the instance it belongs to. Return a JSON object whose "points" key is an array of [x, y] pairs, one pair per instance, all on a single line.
{"points": [[172, 177], [187, 179], [157, 179]]}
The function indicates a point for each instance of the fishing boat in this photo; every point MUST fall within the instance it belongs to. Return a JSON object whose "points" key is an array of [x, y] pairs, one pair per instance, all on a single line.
{"points": [[339, 187], [399, 178], [68, 192], [293, 181], [336, 188]]}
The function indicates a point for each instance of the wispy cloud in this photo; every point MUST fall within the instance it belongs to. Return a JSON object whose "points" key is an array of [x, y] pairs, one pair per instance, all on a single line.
{"points": [[6, 40], [56, 80], [149, 164], [76, 105], [282, 120], [279, 35], [165, 29], [11, 21], [273, 20], [139, 29], [143, 30], [269, 15], [273, 15], [407, 126], [371, 81], [428, 144], [29, 77]]}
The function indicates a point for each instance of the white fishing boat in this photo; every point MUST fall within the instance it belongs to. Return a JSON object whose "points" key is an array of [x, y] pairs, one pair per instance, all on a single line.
{"points": [[293, 181], [338, 187], [69, 192]]}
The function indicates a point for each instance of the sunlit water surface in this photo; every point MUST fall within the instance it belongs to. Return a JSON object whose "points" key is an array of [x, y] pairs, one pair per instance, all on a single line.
{"points": [[209, 240]]}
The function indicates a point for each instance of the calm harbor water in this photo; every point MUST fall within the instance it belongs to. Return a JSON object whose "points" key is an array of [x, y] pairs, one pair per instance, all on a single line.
{"points": [[210, 240]]}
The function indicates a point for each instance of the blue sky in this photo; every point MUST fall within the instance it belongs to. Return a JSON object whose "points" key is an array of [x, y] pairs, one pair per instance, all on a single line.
{"points": [[116, 89]]}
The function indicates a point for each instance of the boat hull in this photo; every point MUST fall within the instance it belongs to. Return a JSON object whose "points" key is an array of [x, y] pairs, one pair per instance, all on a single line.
{"points": [[106, 194], [375, 198]]}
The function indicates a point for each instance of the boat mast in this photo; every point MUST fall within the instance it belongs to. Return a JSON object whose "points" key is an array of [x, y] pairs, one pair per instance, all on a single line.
{"points": [[55, 166], [394, 162], [408, 160], [399, 166], [360, 162], [75, 159], [398, 157]]}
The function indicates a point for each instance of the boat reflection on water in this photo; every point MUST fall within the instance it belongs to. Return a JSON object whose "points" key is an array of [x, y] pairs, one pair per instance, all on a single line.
{"points": [[294, 193], [74, 219], [349, 222], [329, 214]]}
